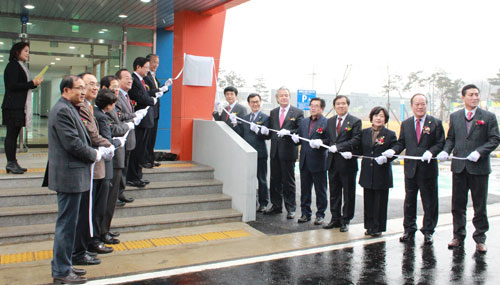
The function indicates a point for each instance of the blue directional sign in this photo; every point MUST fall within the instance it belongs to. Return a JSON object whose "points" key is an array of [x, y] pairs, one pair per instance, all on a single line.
{"points": [[304, 97]]}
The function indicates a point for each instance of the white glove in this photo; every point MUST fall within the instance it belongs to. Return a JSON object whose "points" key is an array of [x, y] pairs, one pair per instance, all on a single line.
{"points": [[427, 156], [137, 120], [158, 95], [98, 155], [254, 128], [110, 152], [122, 140], [315, 143], [168, 82], [389, 153], [346, 154], [130, 125], [474, 156], [295, 138], [442, 156], [332, 149], [155, 100], [283, 132], [381, 160], [141, 113], [216, 106], [164, 89], [232, 117], [264, 130]]}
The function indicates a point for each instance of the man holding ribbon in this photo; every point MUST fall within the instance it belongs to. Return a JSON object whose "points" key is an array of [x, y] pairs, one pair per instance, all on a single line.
{"points": [[233, 109], [473, 134], [422, 136]]}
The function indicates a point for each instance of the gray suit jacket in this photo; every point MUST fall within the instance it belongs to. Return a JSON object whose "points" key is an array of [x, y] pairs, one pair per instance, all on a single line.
{"points": [[118, 129], [257, 141], [239, 110], [126, 114], [70, 151], [483, 137]]}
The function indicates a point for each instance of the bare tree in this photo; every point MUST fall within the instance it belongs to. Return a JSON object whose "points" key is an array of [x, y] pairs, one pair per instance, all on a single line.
{"points": [[261, 88]]}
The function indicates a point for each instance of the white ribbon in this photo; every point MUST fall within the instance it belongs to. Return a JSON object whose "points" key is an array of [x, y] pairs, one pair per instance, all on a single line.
{"points": [[90, 199]]}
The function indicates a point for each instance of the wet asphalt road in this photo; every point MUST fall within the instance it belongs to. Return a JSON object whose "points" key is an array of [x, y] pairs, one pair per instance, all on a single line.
{"points": [[385, 262]]}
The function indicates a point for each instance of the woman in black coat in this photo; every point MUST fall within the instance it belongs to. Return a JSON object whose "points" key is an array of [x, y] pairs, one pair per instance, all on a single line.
{"points": [[18, 87], [376, 174]]}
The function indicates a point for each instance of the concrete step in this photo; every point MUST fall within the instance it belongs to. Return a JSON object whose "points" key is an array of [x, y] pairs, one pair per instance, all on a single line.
{"points": [[44, 214], [168, 171], [24, 233], [43, 196]]}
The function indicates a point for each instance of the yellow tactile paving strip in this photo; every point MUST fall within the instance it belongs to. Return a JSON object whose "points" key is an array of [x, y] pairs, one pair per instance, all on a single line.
{"points": [[30, 170], [42, 170], [131, 245], [176, 165]]}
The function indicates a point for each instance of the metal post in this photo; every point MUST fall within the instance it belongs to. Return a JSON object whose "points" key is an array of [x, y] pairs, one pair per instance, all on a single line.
{"points": [[124, 49]]}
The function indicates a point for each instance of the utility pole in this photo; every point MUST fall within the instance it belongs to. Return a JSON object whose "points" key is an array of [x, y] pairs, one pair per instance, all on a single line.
{"points": [[313, 77]]}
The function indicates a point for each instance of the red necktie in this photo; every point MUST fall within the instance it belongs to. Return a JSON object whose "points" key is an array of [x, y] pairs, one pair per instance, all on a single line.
{"points": [[339, 124], [144, 83], [417, 130], [282, 116], [228, 109], [469, 116], [128, 100]]}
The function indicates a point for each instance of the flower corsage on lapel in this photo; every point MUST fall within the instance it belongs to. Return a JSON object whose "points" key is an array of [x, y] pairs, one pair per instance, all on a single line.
{"points": [[480, 122], [319, 130], [380, 140], [84, 121], [292, 119], [426, 130], [348, 128]]}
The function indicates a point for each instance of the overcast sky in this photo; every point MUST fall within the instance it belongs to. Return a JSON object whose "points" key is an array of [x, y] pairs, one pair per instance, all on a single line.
{"points": [[283, 40]]}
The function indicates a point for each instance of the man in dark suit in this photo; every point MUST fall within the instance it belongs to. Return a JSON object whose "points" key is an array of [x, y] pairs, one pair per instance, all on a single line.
{"points": [[473, 134], [140, 95], [233, 107], [343, 135], [284, 153], [70, 157], [155, 90], [257, 140], [421, 135], [313, 162]]}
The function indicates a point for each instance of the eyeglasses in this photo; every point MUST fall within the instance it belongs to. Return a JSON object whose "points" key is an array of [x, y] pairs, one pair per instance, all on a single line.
{"points": [[82, 88], [94, 84]]}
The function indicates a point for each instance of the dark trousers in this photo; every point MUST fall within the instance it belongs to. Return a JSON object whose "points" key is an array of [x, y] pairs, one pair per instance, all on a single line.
{"points": [[112, 199], [82, 238], [307, 179], [263, 193], [68, 217], [342, 185], [283, 183], [123, 181], [478, 185], [151, 142], [100, 203], [429, 194], [10, 143], [375, 209], [138, 155]]}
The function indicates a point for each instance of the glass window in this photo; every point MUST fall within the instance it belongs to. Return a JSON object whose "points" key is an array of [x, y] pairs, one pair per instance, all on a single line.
{"points": [[139, 35]]}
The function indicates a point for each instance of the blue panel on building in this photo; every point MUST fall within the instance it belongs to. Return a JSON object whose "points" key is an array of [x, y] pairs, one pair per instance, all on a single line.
{"points": [[164, 49]]}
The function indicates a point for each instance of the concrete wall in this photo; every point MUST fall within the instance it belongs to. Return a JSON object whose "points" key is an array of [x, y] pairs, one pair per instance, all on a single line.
{"points": [[234, 160]]}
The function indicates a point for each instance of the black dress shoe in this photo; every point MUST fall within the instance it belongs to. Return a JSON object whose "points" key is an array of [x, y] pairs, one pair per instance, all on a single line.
{"points": [[290, 215], [407, 237], [376, 234], [125, 199], [100, 248], [261, 209], [114, 234], [93, 254], [332, 224], [303, 219], [108, 239], [344, 228], [146, 165], [87, 260], [319, 221], [78, 271], [72, 278], [455, 243], [273, 211], [137, 183], [145, 181], [428, 239], [120, 203], [156, 164], [368, 232]]}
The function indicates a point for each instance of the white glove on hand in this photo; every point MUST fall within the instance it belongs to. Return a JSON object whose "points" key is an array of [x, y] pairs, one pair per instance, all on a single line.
{"points": [[155, 100], [254, 128], [389, 153], [232, 117], [442, 156], [168, 82], [122, 140], [216, 106], [474, 156], [346, 154], [163, 89], [264, 130], [137, 120], [109, 152], [130, 125], [158, 95], [427, 156], [315, 143], [98, 155], [332, 149], [141, 113], [283, 132], [381, 160], [295, 138]]}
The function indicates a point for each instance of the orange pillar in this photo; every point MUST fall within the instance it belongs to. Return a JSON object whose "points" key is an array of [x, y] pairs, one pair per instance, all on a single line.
{"points": [[200, 35]]}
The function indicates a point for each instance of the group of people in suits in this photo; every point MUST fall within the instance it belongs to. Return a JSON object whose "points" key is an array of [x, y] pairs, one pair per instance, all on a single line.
{"points": [[330, 147], [101, 132]]}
